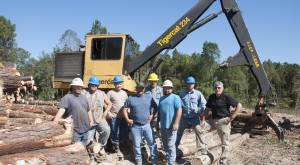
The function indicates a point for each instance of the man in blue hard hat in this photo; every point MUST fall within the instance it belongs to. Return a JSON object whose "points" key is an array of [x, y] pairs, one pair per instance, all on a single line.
{"points": [[98, 101], [193, 106], [118, 124]]}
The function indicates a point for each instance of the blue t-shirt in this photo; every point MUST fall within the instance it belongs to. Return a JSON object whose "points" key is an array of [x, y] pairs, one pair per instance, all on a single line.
{"points": [[140, 107], [193, 103], [168, 106]]}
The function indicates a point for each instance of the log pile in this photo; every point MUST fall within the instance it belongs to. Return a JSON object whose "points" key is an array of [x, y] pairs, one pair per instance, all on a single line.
{"points": [[16, 88], [28, 136]]}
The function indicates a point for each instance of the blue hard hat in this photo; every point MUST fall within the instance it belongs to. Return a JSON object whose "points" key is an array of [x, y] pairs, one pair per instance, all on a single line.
{"points": [[190, 80], [94, 80], [118, 79]]}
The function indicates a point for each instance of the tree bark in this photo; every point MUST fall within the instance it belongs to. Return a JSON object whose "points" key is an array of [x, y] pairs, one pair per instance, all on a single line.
{"points": [[20, 114], [40, 102], [19, 122], [41, 109], [35, 137], [211, 142], [72, 154], [215, 153]]}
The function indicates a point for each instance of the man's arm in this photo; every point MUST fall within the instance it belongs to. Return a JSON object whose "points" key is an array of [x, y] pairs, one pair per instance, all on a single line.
{"points": [[177, 119], [91, 117], [201, 103], [108, 106], [59, 114], [204, 116], [151, 115], [236, 111], [125, 114], [157, 122]]}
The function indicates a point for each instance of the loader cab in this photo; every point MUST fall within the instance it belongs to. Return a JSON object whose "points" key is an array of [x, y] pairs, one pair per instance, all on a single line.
{"points": [[105, 56]]}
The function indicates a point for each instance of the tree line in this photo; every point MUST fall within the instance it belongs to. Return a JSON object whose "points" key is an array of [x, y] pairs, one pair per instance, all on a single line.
{"points": [[176, 66]]}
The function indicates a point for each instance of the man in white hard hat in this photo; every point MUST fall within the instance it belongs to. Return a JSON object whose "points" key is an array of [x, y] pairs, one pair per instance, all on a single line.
{"points": [[76, 105], [169, 114]]}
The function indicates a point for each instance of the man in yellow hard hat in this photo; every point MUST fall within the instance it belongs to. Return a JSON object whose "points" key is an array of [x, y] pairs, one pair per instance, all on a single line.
{"points": [[155, 91]]}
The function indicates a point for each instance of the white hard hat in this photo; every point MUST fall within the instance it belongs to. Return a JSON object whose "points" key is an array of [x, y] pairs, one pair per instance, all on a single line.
{"points": [[77, 82], [168, 83]]}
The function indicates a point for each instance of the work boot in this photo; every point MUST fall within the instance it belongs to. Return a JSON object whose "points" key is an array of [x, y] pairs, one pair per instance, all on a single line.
{"points": [[102, 150], [223, 161], [93, 147], [139, 163], [118, 151], [203, 151]]}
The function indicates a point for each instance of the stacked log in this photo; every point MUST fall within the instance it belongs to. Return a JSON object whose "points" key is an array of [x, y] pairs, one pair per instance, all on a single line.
{"points": [[13, 115], [34, 137], [215, 153], [15, 87], [28, 136], [71, 154]]}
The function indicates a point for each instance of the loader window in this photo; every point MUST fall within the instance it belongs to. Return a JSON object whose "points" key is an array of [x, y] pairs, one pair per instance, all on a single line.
{"points": [[106, 48]]}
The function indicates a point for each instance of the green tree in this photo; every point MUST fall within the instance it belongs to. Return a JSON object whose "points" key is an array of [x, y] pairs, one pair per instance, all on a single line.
{"points": [[97, 28], [21, 57], [43, 71], [7, 39]]}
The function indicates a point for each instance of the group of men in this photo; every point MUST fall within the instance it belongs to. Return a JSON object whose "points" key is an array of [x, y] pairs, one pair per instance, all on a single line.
{"points": [[151, 107]]}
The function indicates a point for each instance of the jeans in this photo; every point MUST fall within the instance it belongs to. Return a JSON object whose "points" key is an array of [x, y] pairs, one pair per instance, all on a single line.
{"points": [[195, 122], [138, 131], [82, 137], [168, 137], [119, 131], [104, 131]]}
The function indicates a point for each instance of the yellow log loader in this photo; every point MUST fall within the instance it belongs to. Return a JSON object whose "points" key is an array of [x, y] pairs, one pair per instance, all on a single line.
{"points": [[108, 55]]}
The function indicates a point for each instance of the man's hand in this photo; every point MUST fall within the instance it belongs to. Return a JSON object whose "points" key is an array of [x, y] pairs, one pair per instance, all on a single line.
{"points": [[230, 119], [157, 126], [202, 124], [130, 122], [175, 127], [109, 116], [91, 123], [150, 118], [104, 115]]}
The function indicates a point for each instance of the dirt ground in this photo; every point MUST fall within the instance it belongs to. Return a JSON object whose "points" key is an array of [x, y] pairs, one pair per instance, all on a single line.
{"points": [[257, 150], [267, 150]]}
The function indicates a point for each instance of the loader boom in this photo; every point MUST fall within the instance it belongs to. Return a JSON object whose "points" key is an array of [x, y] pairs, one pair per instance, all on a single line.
{"points": [[108, 55]]}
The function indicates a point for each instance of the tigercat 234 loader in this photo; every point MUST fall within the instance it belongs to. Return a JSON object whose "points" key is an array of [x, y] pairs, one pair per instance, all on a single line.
{"points": [[108, 55]]}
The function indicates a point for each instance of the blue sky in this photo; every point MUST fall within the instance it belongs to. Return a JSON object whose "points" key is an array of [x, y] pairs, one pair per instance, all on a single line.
{"points": [[273, 25]]}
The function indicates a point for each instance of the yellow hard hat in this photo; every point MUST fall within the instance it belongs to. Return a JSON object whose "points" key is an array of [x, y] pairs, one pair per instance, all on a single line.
{"points": [[153, 77]]}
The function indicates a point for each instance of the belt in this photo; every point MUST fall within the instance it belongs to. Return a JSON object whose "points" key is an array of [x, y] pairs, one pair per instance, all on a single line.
{"points": [[139, 124], [220, 117]]}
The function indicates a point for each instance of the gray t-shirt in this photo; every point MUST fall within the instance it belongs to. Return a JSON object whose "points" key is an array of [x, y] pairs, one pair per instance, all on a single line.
{"points": [[96, 103], [77, 107], [117, 99], [140, 107]]}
